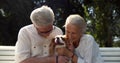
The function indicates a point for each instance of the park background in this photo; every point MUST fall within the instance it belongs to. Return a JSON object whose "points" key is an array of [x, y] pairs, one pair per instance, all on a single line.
{"points": [[102, 17]]}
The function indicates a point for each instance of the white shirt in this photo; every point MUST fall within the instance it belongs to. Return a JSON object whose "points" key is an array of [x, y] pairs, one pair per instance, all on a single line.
{"points": [[31, 44], [88, 50]]}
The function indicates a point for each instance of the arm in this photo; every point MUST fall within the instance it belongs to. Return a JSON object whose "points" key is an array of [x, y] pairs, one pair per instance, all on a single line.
{"points": [[50, 59], [22, 47], [89, 51], [39, 60]]}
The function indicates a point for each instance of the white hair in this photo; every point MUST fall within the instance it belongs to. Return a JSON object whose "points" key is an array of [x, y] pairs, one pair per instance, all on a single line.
{"points": [[77, 21], [42, 16]]}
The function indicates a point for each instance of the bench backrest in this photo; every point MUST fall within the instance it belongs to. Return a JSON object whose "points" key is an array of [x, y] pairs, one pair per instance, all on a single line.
{"points": [[110, 55], [7, 54]]}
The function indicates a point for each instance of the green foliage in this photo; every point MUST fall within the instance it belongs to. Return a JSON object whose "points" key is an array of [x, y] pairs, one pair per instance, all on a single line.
{"points": [[116, 44], [63, 8], [14, 14], [104, 20]]}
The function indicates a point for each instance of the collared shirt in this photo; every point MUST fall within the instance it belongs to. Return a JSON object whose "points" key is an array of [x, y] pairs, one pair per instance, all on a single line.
{"points": [[31, 44], [88, 50]]}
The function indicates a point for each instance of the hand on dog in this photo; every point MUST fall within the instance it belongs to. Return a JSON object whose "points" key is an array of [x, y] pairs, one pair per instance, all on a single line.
{"points": [[63, 51], [70, 46]]}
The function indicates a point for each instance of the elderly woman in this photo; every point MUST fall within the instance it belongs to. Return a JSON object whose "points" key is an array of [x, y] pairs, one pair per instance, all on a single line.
{"points": [[82, 48], [33, 41]]}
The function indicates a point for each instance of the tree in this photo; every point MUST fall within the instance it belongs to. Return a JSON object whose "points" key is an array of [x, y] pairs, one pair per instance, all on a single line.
{"points": [[103, 20], [14, 14], [63, 8]]}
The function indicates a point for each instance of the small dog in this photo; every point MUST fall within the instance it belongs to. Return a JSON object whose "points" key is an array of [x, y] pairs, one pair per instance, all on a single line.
{"points": [[57, 42]]}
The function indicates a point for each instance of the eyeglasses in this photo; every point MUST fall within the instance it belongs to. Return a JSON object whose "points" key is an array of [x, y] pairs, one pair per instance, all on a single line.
{"points": [[45, 30]]}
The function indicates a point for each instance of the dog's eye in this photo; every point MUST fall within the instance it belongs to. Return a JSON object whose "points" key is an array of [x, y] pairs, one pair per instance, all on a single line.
{"points": [[63, 38]]}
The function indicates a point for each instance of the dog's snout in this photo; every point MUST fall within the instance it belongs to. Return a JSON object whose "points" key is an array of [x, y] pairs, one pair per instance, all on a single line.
{"points": [[57, 38]]}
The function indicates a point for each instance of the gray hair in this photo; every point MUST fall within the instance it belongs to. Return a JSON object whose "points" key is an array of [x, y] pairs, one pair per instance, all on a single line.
{"points": [[77, 21], [42, 16]]}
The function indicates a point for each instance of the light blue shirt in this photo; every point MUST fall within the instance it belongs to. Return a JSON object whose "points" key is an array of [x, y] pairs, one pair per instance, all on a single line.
{"points": [[88, 50]]}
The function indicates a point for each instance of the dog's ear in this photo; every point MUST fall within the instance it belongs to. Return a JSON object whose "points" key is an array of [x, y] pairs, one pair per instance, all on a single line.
{"points": [[52, 47], [64, 38], [52, 42], [53, 39]]}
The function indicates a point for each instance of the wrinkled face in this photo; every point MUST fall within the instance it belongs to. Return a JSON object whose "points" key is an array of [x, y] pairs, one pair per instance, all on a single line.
{"points": [[73, 33], [45, 30]]}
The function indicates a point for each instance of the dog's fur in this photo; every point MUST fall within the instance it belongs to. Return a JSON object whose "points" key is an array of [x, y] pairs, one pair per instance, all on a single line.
{"points": [[57, 42]]}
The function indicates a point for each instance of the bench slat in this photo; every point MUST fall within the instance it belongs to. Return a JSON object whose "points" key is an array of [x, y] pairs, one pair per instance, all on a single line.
{"points": [[7, 62], [110, 54], [112, 49], [7, 47], [6, 58], [111, 62], [8, 53], [111, 58]]}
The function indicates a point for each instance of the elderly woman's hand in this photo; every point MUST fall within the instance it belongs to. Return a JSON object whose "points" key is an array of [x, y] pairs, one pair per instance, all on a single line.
{"points": [[71, 47]]}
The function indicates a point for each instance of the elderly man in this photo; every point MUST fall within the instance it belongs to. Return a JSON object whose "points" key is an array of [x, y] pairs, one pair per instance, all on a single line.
{"points": [[33, 41]]}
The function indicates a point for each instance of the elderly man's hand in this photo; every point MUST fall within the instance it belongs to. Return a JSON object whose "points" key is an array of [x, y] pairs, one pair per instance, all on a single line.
{"points": [[63, 59]]}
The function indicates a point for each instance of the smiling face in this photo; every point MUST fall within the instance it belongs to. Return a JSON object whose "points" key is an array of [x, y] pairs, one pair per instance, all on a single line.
{"points": [[73, 33]]}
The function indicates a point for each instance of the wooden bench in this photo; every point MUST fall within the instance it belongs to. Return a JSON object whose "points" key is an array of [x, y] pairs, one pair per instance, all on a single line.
{"points": [[110, 55], [7, 54]]}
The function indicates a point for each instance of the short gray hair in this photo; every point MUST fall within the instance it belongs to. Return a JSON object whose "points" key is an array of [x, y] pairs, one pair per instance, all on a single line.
{"points": [[42, 16], [77, 21]]}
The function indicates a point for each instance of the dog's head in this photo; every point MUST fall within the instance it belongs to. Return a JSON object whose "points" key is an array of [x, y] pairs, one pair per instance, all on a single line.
{"points": [[59, 40], [63, 40]]}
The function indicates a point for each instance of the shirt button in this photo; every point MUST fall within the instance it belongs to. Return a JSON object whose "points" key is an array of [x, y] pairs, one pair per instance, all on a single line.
{"points": [[45, 52], [44, 45]]}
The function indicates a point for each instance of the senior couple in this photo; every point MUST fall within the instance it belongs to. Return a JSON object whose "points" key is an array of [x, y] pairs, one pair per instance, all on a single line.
{"points": [[33, 41]]}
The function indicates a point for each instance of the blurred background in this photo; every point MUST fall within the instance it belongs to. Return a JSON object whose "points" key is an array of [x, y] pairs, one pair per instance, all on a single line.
{"points": [[102, 17]]}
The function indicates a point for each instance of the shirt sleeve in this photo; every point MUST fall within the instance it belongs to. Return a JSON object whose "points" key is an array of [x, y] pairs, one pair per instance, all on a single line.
{"points": [[22, 48], [59, 31], [91, 51]]}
